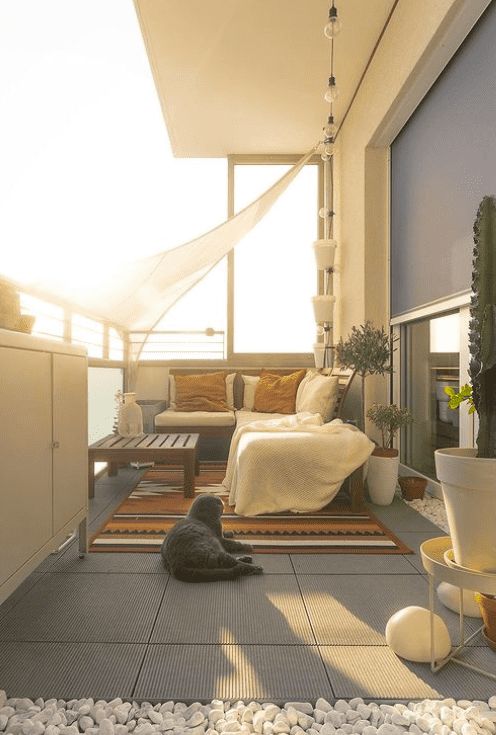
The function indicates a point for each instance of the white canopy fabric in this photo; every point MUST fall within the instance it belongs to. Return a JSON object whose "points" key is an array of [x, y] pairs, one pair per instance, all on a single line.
{"points": [[136, 295]]}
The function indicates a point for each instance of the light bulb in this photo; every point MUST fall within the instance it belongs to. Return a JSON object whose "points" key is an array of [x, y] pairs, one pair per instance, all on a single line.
{"points": [[331, 128], [334, 25], [332, 93]]}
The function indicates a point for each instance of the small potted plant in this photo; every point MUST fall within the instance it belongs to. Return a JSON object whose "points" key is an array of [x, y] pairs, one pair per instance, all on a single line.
{"points": [[382, 472], [367, 351], [468, 476]]}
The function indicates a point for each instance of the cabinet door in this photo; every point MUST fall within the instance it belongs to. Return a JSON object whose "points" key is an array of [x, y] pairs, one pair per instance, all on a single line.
{"points": [[25, 456], [70, 436]]}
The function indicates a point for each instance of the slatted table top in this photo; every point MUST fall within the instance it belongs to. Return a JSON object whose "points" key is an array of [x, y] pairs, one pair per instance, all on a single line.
{"points": [[145, 442]]}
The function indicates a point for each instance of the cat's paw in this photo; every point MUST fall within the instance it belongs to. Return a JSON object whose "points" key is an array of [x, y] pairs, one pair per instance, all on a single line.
{"points": [[245, 547], [246, 559], [250, 569]]}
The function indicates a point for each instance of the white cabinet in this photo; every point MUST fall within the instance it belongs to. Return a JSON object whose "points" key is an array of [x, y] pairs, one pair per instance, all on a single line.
{"points": [[43, 451]]}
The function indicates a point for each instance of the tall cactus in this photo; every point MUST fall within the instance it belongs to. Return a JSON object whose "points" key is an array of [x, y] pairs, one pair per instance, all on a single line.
{"points": [[482, 336]]}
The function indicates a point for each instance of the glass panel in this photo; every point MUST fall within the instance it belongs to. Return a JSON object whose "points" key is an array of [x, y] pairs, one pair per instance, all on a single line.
{"points": [[103, 383], [49, 318], [274, 267], [89, 333], [432, 352]]}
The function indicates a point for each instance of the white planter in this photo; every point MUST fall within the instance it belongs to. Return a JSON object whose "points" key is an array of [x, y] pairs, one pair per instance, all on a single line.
{"points": [[323, 308], [324, 251], [382, 476], [469, 491], [318, 353]]}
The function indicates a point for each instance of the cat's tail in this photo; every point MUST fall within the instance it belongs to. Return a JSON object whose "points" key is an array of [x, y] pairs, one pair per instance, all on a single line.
{"points": [[190, 574]]}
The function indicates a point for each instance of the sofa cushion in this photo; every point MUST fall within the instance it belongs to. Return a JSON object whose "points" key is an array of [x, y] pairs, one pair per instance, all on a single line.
{"points": [[195, 418], [205, 392], [317, 394], [277, 393], [229, 390], [249, 385]]}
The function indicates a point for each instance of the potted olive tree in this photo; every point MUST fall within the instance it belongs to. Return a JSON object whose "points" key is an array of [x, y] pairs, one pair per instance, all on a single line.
{"points": [[382, 472], [367, 351], [468, 476]]}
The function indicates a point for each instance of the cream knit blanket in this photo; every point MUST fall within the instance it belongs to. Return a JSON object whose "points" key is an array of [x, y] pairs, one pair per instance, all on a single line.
{"points": [[296, 463]]}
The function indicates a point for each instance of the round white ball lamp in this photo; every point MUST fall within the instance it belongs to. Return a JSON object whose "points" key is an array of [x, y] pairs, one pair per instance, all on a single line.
{"points": [[408, 634], [449, 595]]}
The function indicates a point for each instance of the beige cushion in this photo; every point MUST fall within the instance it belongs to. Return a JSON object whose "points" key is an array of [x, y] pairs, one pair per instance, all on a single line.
{"points": [[244, 416], [229, 391], [317, 394], [249, 387], [195, 418]]}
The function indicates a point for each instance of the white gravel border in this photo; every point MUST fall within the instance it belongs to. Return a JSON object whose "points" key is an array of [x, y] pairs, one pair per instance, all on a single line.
{"points": [[431, 508], [118, 717]]}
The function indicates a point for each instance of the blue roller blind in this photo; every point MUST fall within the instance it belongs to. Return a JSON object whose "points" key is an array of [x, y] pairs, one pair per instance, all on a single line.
{"points": [[442, 163]]}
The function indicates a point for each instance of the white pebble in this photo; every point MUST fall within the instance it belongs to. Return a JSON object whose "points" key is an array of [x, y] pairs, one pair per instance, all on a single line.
{"points": [[304, 707], [258, 720], [323, 705], [359, 726], [387, 729], [341, 706], [52, 730], [319, 716], [329, 729], [335, 718], [305, 721], [369, 730], [281, 727], [467, 729], [267, 728]]}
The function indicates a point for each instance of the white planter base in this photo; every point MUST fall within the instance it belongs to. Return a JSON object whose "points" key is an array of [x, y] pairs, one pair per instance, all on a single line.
{"points": [[469, 491], [382, 476]]}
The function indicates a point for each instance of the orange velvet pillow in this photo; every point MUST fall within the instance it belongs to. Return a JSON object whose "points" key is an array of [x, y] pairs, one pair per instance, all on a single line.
{"points": [[277, 393], [201, 392]]}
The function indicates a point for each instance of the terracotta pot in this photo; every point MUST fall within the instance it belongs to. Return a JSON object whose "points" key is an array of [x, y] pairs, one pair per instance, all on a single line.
{"points": [[487, 605], [412, 487]]}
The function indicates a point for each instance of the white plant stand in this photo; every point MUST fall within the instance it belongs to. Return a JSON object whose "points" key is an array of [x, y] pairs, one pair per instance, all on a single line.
{"points": [[432, 553]]}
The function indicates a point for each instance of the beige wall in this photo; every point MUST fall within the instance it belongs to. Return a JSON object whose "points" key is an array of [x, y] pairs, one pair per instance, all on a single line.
{"points": [[420, 39]]}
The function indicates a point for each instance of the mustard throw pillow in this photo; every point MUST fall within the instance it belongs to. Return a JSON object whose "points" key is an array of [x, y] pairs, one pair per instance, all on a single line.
{"points": [[277, 393], [201, 392]]}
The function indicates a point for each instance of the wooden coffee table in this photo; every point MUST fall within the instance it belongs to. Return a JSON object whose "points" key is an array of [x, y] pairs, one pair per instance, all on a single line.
{"points": [[161, 448]]}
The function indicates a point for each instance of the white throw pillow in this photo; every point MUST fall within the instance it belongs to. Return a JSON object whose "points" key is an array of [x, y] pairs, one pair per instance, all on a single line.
{"points": [[249, 386], [229, 391], [318, 395]]}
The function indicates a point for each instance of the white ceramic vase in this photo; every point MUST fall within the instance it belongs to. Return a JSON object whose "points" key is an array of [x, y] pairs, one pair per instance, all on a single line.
{"points": [[382, 475], [130, 421], [469, 490]]}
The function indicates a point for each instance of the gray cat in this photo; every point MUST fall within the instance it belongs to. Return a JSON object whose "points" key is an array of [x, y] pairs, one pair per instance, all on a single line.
{"points": [[196, 550]]}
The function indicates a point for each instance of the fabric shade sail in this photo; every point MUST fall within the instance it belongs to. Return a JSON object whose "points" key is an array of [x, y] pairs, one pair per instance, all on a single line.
{"points": [[135, 295]]}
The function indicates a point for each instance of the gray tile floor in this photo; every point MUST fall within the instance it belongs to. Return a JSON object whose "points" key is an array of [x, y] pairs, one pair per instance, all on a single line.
{"points": [[116, 625]]}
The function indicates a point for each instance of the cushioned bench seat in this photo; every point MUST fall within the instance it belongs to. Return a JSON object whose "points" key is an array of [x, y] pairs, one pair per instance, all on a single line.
{"points": [[245, 416], [172, 418]]}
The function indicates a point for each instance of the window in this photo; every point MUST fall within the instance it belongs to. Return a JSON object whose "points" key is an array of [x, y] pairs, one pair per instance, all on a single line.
{"points": [[103, 383], [116, 345], [274, 267], [432, 348]]}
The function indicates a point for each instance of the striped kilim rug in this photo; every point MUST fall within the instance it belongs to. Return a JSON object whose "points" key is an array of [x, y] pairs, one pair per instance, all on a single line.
{"points": [[141, 522]]}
